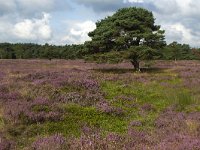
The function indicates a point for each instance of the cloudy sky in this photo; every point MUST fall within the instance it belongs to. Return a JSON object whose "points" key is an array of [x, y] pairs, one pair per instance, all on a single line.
{"points": [[69, 21]]}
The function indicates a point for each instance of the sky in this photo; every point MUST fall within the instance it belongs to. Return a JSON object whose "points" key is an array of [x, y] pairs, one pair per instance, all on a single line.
{"points": [[62, 22]]}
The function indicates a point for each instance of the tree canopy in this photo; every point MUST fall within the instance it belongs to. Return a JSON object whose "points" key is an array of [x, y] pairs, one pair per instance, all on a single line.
{"points": [[126, 29]]}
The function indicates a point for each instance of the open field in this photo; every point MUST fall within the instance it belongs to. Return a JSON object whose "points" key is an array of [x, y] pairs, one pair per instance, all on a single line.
{"points": [[62, 104]]}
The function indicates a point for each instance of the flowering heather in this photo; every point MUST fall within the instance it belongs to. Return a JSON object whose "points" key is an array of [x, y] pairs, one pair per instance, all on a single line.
{"points": [[2, 75], [189, 72], [194, 116], [178, 130], [6, 144], [6, 96], [93, 140], [171, 118], [133, 141], [105, 107], [88, 84], [179, 142], [72, 97], [4, 88], [147, 107], [38, 110], [124, 109], [54, 142], [135, 124], [64, 78], [88, 98], [125, 98]]}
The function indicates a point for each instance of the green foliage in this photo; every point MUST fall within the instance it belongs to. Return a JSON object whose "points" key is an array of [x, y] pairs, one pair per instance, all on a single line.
{"points": [[92, 117], [148, 63], [135, 54], [176, 51], [140, 94], [7, 51], [41, 108], [127, 27], [29, 51], [182, 99], [76, 117], [110, 57], [196, 53], [142, 53]]}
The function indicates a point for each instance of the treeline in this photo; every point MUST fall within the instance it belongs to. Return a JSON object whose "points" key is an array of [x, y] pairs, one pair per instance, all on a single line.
{"points": [[33, 51], [173, 51], [176, 51]]}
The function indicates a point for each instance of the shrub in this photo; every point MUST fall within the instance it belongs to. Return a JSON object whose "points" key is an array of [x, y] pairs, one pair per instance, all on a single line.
{"points": [[38, 110], [54, 142], [6, 144]]}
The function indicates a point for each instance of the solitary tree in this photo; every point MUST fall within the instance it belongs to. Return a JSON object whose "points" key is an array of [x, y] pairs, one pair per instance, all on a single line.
{"points": [[126, 30]]}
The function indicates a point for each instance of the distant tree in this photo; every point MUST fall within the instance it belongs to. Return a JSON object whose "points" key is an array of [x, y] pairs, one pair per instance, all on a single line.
{"points": [[47, 51], [10, 54], [1, 53], [196, 53], [127, 29], [176, 51]]}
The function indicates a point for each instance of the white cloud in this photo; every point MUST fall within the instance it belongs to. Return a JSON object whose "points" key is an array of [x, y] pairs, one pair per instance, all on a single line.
{"points": [[78, 32], [21, 20], [33, 29], [179, 32], [26, 30], [186, 33]]}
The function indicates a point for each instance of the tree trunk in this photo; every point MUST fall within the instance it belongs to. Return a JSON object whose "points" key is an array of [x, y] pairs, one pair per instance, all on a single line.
{"points": [[136, 65]]}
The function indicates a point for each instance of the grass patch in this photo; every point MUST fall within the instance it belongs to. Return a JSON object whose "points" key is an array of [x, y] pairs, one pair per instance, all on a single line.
{"points": [[182, 99], [39, 108], [141, 94], [94, 118], [150, 93], [75, 118], [2, 123]]}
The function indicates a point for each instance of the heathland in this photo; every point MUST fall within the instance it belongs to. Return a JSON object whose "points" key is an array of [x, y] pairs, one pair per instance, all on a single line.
{"points": [[66, 104]]}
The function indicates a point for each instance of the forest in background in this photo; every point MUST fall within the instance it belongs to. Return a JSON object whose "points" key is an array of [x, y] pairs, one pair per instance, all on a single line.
{"points": [[172, 51]]}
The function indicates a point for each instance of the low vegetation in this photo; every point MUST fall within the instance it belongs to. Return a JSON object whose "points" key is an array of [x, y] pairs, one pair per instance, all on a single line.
{"points": [[75, 105]]}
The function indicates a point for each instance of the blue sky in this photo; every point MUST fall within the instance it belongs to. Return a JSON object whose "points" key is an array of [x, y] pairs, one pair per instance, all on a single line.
{"points": [[69, 21]]}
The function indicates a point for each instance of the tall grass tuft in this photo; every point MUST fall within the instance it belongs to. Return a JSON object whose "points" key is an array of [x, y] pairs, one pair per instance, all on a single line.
{"points": [[181, 99]]}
